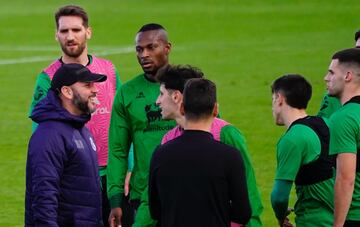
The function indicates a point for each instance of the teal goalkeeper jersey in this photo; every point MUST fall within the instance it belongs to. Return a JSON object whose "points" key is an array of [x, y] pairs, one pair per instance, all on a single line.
{"points": [[135, 119]]}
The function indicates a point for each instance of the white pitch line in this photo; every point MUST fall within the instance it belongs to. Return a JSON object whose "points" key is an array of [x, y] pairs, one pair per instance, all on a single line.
{"points": [[23, 60]]}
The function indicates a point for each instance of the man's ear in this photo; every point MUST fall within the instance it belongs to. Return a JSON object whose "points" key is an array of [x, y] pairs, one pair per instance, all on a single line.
{"points": [[182, 110], [280, 98], [348, 76], [177, 96], [167, 48], [215, 110], [66, 92], [88, 32], [56, 35]]}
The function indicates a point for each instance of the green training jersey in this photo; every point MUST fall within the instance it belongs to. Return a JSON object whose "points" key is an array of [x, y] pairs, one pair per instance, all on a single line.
{"points": [[345, 138], [230, 135], [328, 106], [135, 119], [300, 145]]}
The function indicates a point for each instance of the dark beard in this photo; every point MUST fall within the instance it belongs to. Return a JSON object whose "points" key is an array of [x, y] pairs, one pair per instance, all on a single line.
{"points": [[73, 54], [80, 104]]}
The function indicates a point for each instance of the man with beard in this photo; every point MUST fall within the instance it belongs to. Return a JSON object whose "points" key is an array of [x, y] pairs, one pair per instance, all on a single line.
{"points": [[137, 119], [62, 180], [72, 33]]}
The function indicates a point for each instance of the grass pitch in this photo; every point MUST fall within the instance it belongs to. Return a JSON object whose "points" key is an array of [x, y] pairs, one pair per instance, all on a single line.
{"points": [[241, 45]]}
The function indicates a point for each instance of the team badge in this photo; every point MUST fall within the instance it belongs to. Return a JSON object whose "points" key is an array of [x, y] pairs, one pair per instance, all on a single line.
{"points": [[92, 144]]}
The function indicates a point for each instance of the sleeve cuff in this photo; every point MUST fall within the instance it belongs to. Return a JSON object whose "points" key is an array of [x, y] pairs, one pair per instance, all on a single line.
{"points": [[115, 201]]}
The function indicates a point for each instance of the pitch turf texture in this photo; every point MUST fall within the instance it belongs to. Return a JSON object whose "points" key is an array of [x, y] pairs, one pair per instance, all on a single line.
{"points": [[241, 45]]}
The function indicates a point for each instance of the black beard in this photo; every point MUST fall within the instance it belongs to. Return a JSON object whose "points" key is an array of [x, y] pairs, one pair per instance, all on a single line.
{"points": [[73, 54], [80, 104]]}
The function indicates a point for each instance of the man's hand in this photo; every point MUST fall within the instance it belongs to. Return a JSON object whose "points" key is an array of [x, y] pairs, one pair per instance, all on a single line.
{"points": [[127, 183], [115, 217], [286, 222]]}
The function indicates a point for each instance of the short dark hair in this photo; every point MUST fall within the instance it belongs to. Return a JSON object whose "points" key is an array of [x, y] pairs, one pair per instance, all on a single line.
{"points": [[348, 56], [151, 27], [199, 98], [72, 10], [175, 76], [357, 35], [295, 88]]}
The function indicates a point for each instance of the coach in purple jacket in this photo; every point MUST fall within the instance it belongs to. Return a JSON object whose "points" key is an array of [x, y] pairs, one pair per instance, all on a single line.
{"points": [[62, 181]]}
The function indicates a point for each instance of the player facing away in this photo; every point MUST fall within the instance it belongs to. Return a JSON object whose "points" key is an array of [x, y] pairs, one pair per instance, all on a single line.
{"points": [[302, 156], [194, 179], [343, 82], [172, 81], [136, 119], [330, 103]]}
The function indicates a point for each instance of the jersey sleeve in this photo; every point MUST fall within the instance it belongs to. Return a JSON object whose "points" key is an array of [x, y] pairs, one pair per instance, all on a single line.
{"points": [[42, 86], [343, 130], [280, 198], [289, 158], [230, 135], [131, 158], [119, 145], [241, 211]]}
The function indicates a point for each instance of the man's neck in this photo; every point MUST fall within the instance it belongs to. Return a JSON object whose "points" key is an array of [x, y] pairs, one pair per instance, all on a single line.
{"points": [[150, 77], [348, 94], [202, 124], [83, 59], [293, 114], [180, 120]]}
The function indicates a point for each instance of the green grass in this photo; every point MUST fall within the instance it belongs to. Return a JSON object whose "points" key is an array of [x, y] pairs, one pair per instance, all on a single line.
{"points": [[241, 45]]}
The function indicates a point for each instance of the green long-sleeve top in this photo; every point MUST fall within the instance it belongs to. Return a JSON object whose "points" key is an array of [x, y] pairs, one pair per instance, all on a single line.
{"points": [[136, 119]]}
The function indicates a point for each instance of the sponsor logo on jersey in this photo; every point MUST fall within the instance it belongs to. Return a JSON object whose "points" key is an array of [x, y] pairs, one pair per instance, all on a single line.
{"points": [[101, 110], [153, 115]]}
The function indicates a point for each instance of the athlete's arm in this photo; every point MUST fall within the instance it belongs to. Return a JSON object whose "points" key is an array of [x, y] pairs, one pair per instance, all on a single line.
{"points": [[119, 144], [240, 203], [42, 86], [280, 198], [344, 186]]}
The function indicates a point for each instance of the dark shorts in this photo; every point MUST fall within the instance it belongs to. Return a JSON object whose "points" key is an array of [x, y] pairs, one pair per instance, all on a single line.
{"points": [[128, 212], [349, 223]]}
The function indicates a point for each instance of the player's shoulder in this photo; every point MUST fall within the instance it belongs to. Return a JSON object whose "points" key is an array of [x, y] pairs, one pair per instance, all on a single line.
{"points": [[103, 60], [134, 82]]}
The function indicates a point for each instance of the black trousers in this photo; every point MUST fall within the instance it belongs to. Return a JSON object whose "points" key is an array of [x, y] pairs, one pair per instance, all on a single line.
{"points": [[128, 212], [349, 223]]}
